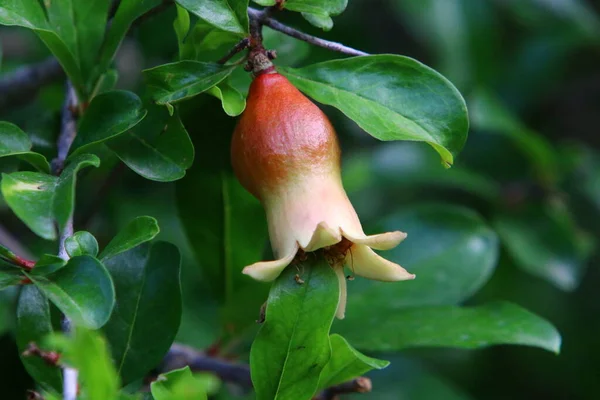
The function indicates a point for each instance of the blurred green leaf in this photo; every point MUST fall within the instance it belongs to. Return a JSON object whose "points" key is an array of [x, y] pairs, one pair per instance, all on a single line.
{"points": [[9, 276], [173, 82], [34, 323], [450, 249], [128, 11], [545, 241], [292, 346], [408, 165], [346, 363], [139, 230], [82, 290], [179, 384], [30, 14], [489, 114], [148, 308], [15, 142], [290, 51], [228, 15], [109, 115], [392, 98], [81, 243], [6, 254], [451, 326], [88, 352], [317, 12], [47, 264], [159, 148]]}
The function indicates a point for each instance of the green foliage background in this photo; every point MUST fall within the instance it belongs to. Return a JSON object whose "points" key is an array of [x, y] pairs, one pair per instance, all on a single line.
{"points": [[503, 243]]}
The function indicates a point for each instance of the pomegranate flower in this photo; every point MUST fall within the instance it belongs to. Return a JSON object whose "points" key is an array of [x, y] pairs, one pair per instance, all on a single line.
{"points": [[285, 152]]}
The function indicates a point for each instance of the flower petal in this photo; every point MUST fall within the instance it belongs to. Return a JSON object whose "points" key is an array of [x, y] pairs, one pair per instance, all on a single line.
{"points": [[365, 262], [341, 309], [323, 236], [267, 271], [383, 241]]}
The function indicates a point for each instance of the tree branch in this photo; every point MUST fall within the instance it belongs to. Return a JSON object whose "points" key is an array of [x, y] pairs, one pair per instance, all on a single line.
{"points": [[180, 356], [264, 18], [17, 87]]}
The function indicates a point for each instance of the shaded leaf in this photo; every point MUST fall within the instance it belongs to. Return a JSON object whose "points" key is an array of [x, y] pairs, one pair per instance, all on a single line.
{"points": [[346, 363], [233, 102], [292, 346], [16, 143], [451, 326], [317, 12], [159, 148], [81, 243], [138, 231], [82, 290], [392, 98], [148, 301], [109, 115]]}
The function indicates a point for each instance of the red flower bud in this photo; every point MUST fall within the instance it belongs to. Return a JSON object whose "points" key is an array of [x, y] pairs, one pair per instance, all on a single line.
{"points": [[285, 152]]}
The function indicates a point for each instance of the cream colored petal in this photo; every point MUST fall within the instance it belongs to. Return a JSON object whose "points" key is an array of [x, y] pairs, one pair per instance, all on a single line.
{"points": [[323, 236], [267, 271], [341, 309], [365, 262], [383, 241]]}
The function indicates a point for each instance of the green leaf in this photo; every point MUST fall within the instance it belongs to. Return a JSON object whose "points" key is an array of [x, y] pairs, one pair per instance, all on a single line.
{"points": [[9, 276], [34, 323], [42, 200], [30, 196], [82, 290], [159, 148], [81, 243], [16, 143], [173, 82], [179, 384], [88, 352], [63, 200], [392, 98], [109, 115], [451, 326], [346, 363], [6, 254], [317, 12], [128, 11], [47, 264], [81, 25], [233, 101], [30, 14], [139, 230], [545, 241], [148, 301], [228, 15], [450, 249], [292, 346]]}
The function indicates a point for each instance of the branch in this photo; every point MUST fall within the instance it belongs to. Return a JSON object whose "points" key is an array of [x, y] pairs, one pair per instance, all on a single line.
{"points": [[356, 385], [17, 87], [180, 356], [264, 18]]}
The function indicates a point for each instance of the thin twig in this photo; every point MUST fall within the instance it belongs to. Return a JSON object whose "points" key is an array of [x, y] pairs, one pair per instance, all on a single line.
{"points": [[356, 385], [264, 18], [179, 356], [244, 43], [17, 87]]}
